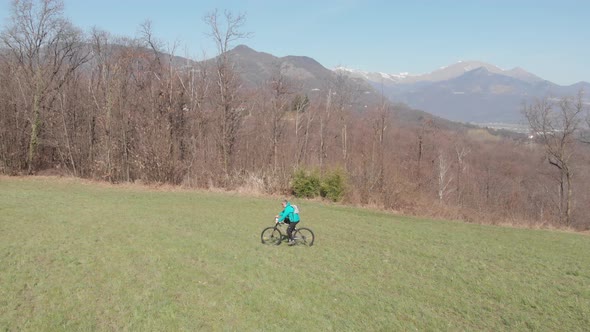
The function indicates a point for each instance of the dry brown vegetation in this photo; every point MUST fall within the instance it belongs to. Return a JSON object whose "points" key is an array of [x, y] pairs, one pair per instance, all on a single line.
{"points": [[120, 110]]}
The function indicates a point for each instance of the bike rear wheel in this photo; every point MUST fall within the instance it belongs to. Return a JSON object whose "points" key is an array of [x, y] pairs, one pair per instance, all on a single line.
{"points": [[271, 236], [303, 237]]}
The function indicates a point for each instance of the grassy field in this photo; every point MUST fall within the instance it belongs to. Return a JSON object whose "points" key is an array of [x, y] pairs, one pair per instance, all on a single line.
{"points": [[78, 256]]}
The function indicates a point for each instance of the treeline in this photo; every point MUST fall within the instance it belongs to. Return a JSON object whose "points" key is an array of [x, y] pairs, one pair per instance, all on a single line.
{"points": [[126, 110]]}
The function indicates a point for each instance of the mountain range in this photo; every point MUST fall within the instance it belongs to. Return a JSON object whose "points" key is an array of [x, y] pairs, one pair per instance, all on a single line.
{"points": [[467, 91], [310, 77]]}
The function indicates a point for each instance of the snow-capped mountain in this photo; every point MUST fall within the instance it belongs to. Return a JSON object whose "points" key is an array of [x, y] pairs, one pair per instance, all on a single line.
{"points": [[468, 91], [442, 74], [374, 76]]}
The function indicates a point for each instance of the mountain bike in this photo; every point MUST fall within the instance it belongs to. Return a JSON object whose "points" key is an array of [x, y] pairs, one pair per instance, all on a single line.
{"points": [[274, 236]]}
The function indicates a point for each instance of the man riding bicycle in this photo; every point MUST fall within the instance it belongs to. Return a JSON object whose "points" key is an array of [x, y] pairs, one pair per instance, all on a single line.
{"points": [[288, 216]]}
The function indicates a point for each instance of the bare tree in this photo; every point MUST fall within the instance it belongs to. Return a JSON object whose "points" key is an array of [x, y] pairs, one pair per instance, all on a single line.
{"points": [[444, 178], [280, 93], [380, 124], [13, 119], [103, 92], [325, 117], [226, 29], [461, 153], [195, 85], [301, 108], [345, 94], [47, 49], [556, 127], [426, 129]]}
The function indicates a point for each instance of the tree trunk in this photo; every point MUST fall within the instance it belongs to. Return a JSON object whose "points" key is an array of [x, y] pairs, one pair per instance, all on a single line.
{"points": [[34, 139], [568, 209]]}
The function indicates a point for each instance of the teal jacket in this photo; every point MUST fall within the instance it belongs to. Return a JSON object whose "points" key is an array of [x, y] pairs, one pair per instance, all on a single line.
{"points": [[288, 212]]}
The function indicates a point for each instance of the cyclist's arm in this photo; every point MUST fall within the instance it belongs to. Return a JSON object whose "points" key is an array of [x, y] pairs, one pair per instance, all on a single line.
{"points": [[285, 213]]}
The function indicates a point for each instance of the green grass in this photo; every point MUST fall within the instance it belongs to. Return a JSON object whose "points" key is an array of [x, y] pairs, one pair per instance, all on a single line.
{"points": [[78, 256]]}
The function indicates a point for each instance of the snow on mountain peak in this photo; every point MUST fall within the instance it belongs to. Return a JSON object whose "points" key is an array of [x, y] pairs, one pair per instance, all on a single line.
{"points": [[340, 68], [373, 76], [443, 73]]}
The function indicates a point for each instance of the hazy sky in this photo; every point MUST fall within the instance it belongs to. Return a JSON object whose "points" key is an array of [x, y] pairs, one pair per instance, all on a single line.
{"points": [[547, 38]]}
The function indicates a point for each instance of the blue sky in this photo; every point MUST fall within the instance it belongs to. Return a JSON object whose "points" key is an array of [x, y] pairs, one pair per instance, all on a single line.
{"points": [[547, 38]]}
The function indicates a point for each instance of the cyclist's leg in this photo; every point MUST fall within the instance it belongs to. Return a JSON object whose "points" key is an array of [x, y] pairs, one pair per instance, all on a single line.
{"points": [[288, 222], [290, 230]]}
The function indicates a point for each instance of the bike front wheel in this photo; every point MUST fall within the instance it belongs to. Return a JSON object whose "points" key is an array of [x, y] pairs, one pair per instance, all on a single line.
{"points": [[271, 236], [303, 237]]}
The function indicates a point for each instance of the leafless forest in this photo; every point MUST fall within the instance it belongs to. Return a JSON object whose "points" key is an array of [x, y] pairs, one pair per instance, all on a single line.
{"points": [[122, 109]]}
